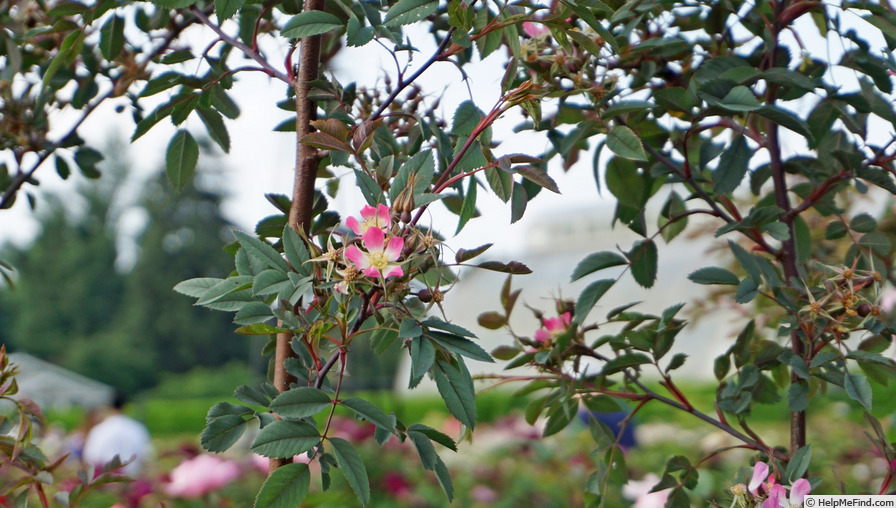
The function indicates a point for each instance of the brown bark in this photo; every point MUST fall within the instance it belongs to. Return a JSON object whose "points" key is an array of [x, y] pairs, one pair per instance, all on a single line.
{"points": [[303, 187]]}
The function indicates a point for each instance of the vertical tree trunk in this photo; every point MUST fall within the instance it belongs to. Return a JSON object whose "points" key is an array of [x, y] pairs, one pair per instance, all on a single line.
{"points": [[307, 160]]}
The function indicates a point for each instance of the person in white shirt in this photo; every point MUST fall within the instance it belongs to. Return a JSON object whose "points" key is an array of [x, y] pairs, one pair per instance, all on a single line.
{"points": [[120, 435]]}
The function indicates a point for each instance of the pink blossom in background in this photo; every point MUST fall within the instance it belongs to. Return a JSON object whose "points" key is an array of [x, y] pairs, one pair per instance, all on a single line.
{"points": [[535, 30], [380, 258], [371, 218], [639, 492], [395, 484], [483, 494], [888, 300], [200, 475], [259, 463], [352, 430], [553, 327]]}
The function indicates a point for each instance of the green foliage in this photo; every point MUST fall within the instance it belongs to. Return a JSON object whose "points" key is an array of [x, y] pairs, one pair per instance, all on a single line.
{"points": [[183, 235], [695, 104]]}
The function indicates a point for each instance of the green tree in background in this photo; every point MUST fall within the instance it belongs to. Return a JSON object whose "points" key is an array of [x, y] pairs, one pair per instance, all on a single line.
{"points": [[107, 324], [68, 270], [184, 238]]}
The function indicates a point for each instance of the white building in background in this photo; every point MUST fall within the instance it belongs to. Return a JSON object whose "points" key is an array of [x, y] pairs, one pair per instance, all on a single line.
{"points": [[552, 247], [51, 386]]}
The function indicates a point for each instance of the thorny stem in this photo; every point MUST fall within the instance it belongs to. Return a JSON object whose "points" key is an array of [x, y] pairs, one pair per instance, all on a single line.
{"points": [[665, 161], [787, 254], [325, 369], [42, 495], [403, 83], [678, 405], [442, 182], [254, 55], [343, 360]]}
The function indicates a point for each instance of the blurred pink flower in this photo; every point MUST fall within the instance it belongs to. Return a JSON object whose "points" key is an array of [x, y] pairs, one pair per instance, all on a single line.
{"points": [[553, 327], [200, 475], [371, 218], [888, 300], [259, 463], [535, 30], [380, 259], [639, 492], [483, 494], [395, 484], [352, 430]]}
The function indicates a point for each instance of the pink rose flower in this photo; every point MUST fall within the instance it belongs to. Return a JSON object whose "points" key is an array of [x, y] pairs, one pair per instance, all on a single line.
{"points": [[371, 218], [553, 327], [380, 258]]}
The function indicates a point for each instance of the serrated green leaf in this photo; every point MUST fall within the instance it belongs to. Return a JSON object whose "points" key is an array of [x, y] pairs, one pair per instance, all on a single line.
{"points": [[369, 412], [625, 143], [456, 388], [223, 287], [301, 402], [733, 165], [310, 23], [466, 117], [261, 251], [286, 487], [624, 361], [356, 34], [425, 449], [112, 37], [225, 9], [468, 208], [405, 12], [282, 439], [863, 223], [438, 324], [740, 99], [253, 312], [352, 466], [859, 389], [214, 124], [196, 287], [713, 275], [501, 182], [180, 159], [595, 262], [250, 395], [371, 190], [461, 346], [270, 282], [537, 176], [644, 259], [222, 432], [589, 297], [434, 435], [799, 464], [787, 120], [259, 329], [423, 355]]}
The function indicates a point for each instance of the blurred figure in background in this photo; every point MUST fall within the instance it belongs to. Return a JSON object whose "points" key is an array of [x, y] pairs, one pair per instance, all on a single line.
{"points": [[120, 435]]}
